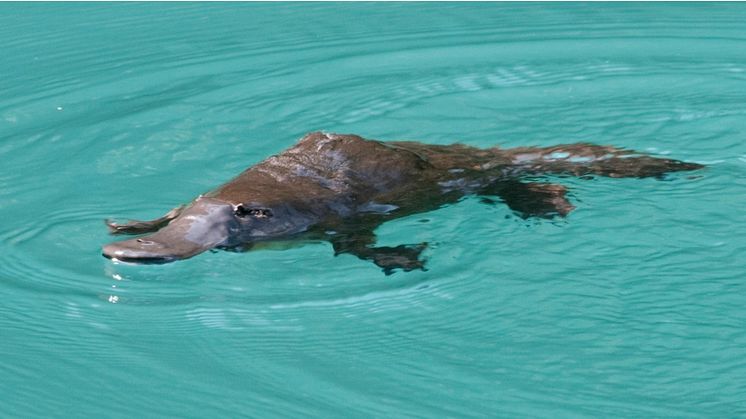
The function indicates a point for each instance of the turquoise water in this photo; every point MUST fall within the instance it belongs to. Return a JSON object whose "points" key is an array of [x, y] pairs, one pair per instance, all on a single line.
{"points": [[635, 306]]}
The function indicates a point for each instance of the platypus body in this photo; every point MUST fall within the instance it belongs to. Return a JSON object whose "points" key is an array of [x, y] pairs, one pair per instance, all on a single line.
{"points": [[341, 187]]}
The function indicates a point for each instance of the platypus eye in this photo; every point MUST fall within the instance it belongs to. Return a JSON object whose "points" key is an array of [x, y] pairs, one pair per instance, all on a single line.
{"points": [[243, 212]]}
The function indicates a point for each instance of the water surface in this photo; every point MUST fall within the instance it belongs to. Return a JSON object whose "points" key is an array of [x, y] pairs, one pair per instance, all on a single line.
{"points": [[632, 307]]}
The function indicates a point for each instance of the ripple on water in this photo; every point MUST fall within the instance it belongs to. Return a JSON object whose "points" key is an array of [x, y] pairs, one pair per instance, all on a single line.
{"points": [[56, 270]]}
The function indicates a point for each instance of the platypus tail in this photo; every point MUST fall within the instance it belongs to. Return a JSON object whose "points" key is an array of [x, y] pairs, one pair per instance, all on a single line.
{"points": [[583, 159]]}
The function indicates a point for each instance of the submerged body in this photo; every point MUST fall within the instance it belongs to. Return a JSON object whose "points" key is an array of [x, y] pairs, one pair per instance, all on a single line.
{"points": [[341, 187]]}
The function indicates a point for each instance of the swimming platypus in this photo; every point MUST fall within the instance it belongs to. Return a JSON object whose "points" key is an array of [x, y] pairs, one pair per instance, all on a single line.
{"points": [[341, 187]]}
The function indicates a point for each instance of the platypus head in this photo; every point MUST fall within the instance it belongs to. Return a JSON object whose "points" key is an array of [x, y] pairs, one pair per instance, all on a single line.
{"points": [[206, 224]]}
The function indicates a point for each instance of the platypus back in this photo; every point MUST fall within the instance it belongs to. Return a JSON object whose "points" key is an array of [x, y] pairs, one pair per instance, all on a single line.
{"points": [[578, 159]]}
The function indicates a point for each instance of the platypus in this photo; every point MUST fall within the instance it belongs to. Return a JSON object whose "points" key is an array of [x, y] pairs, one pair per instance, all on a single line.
{"points": [[340, 188]]}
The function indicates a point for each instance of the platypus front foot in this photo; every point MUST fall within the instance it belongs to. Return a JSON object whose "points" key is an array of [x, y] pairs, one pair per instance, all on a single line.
{"points": [[404, 257], [361, 244], [141, 227]]}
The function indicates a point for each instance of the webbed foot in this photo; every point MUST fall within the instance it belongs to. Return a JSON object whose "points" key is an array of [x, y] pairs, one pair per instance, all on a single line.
{"points": [[532, 199], [404, 257], [360, 244], [140, 227]]}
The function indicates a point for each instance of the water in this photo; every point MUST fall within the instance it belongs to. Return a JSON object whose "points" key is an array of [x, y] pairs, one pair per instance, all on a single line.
{"points": [[634, 306]]}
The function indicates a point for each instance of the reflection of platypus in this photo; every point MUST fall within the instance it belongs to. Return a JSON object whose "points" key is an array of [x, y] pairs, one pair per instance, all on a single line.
{"points": [[341, 187]]}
